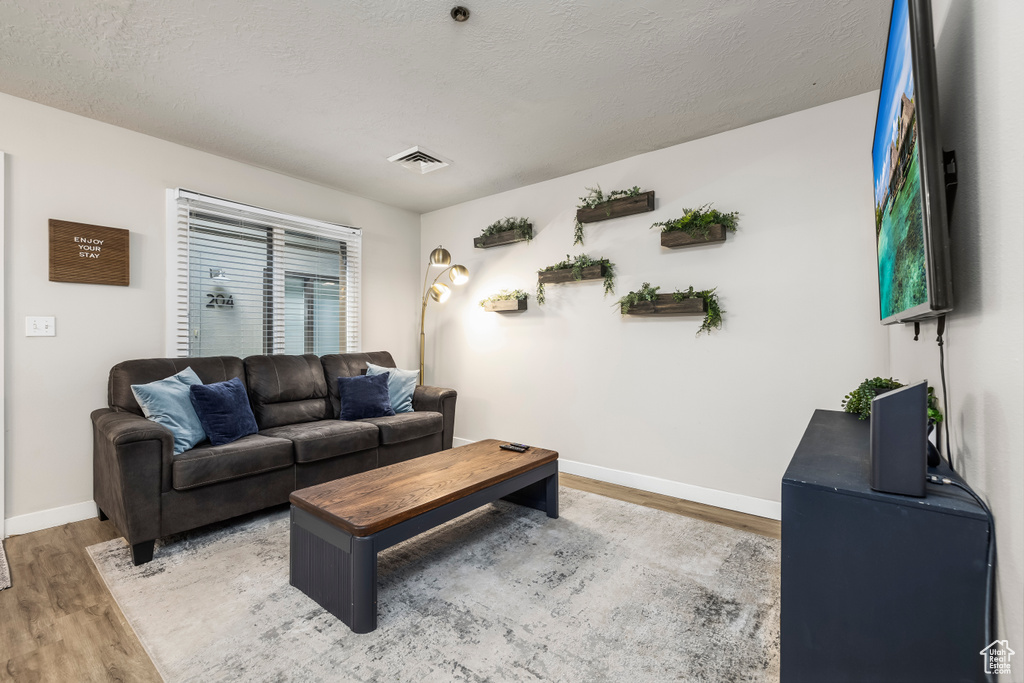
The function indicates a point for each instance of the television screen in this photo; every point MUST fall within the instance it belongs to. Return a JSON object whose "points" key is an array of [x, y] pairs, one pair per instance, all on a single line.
{"points": [[910, 228]]}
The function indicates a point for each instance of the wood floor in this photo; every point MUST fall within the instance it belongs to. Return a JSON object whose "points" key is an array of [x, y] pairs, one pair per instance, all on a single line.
{"points": [[58, 622], [737, 520]]}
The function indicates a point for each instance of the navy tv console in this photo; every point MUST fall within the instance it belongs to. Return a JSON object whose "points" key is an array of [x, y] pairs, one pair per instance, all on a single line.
{"points": [[876, 586]]}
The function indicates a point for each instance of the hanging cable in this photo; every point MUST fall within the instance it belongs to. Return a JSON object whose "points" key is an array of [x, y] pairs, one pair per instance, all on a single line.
{"points": [[940, 331]]}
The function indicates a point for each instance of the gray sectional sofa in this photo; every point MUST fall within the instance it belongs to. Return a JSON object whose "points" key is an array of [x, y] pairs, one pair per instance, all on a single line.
{"points": [[149, 492]]}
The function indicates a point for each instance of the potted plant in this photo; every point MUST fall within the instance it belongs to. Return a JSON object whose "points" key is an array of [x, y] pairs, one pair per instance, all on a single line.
{"points": [[575, 270], [702, 225], [504, 231], [597, 206], [647, 301], [858, 402], [505, 301]]}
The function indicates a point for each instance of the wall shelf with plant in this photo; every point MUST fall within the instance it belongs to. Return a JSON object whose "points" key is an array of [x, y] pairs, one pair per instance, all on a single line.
{"points": [[576, 269], [647, 301], [505, 301], [504, 231], [703, 225], [597, 206]]}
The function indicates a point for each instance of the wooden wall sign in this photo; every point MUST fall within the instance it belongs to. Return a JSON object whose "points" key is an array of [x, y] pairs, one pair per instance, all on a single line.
{"points": [[91, 254]]}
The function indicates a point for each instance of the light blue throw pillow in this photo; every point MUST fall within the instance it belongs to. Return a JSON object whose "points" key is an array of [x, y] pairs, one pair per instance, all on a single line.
{"points": [[401, 384], [167, 402]]}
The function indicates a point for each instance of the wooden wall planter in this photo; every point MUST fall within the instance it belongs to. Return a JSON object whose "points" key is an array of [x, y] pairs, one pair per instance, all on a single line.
{"points": [[595, 272], [499, 239], [616, 208], [506, 306], [676, 239], [667, 305]]}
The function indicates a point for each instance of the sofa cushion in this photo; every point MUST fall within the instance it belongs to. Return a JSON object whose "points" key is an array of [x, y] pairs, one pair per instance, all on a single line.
{"points": [[286, 389], [125, 374], [365, 396], [407, 426], [209, 464], [326, 438], [223, 408], [337, 365], [401, 385], [167, 402]]}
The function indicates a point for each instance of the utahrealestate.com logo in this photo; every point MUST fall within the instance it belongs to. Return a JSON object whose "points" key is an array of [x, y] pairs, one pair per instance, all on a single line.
{"points": [[997, 657]]}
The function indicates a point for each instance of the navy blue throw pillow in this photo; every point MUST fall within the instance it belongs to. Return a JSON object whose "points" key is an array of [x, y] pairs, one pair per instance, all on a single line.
{"points": [[364, 396], [223, 409]]}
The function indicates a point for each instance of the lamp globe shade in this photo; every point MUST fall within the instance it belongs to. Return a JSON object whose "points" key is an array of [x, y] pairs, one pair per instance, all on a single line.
{"points": [[459, 274], [440, 292], [440, 257]]}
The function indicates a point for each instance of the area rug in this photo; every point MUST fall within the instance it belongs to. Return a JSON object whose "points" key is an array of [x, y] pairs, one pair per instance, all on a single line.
{"points": [[5, 569], [610, 591]]}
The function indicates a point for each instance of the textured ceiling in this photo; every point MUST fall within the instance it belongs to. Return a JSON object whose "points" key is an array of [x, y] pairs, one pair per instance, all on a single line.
{"points": [[526, 90]]}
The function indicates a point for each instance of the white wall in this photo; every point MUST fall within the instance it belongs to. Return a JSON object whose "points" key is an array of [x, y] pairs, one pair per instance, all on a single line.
{"points": [[3, 396], [980, 55], [73, 168], [644, 396]]}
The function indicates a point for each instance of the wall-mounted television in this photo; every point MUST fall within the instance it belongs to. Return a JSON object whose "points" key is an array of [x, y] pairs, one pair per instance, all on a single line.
{"points": [[911, 230]]}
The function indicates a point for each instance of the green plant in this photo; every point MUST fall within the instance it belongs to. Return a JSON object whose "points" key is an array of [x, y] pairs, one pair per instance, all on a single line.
{"points": [[577, 265], [577, 234], [712, 308], [645, 293], [858, 401], [697, 222], [520, 225], [593, 198], [506, 295]]}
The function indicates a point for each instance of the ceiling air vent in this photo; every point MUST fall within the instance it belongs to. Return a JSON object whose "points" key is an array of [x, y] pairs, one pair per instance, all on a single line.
{"points": [[420, 160]]}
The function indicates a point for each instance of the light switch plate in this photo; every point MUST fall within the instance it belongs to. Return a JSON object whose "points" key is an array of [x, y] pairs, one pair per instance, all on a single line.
{"points": [[40, 326]]}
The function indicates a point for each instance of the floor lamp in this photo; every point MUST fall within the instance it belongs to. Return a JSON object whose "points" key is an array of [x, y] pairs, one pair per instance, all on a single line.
{"points": [[439, 291]]}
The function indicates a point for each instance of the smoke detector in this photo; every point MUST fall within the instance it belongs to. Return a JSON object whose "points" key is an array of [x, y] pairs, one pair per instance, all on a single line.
{"points": [[420, 160]]}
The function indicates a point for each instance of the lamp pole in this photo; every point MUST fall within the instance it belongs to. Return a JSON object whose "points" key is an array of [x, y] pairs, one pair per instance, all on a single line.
{"points": [[423, 316]]}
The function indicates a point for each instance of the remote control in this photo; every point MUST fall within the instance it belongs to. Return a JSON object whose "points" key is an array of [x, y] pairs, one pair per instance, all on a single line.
{"points": [[517, 447]]}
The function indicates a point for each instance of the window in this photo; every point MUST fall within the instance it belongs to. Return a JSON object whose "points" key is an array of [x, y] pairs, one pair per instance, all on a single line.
{"points": [[250, 281]]}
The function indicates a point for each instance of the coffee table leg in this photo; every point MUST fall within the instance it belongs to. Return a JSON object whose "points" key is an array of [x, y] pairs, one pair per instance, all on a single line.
{"points": [[540, 495], [337, 570], [551, 496], [363, 588]]}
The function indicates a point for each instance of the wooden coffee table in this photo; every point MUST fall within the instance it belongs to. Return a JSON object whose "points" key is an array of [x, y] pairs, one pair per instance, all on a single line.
{"points": [[337, 528]]}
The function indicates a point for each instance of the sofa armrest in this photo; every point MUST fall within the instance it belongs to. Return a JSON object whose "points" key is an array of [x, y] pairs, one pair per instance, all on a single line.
{"points": [[129, 452], [123, 428], [431, 398], [439, 400]]}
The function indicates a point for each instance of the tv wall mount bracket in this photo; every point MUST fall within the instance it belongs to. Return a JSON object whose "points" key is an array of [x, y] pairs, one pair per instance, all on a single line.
{"points": [[949, 169], [949, 166]]}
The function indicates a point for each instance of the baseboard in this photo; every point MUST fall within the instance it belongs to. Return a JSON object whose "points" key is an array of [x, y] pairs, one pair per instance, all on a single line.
{"points": [[750, 505], [738, 502], [44, 519]]}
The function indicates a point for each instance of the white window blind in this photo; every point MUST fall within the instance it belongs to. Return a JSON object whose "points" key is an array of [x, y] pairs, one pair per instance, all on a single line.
{"points": [[251, 281]]}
